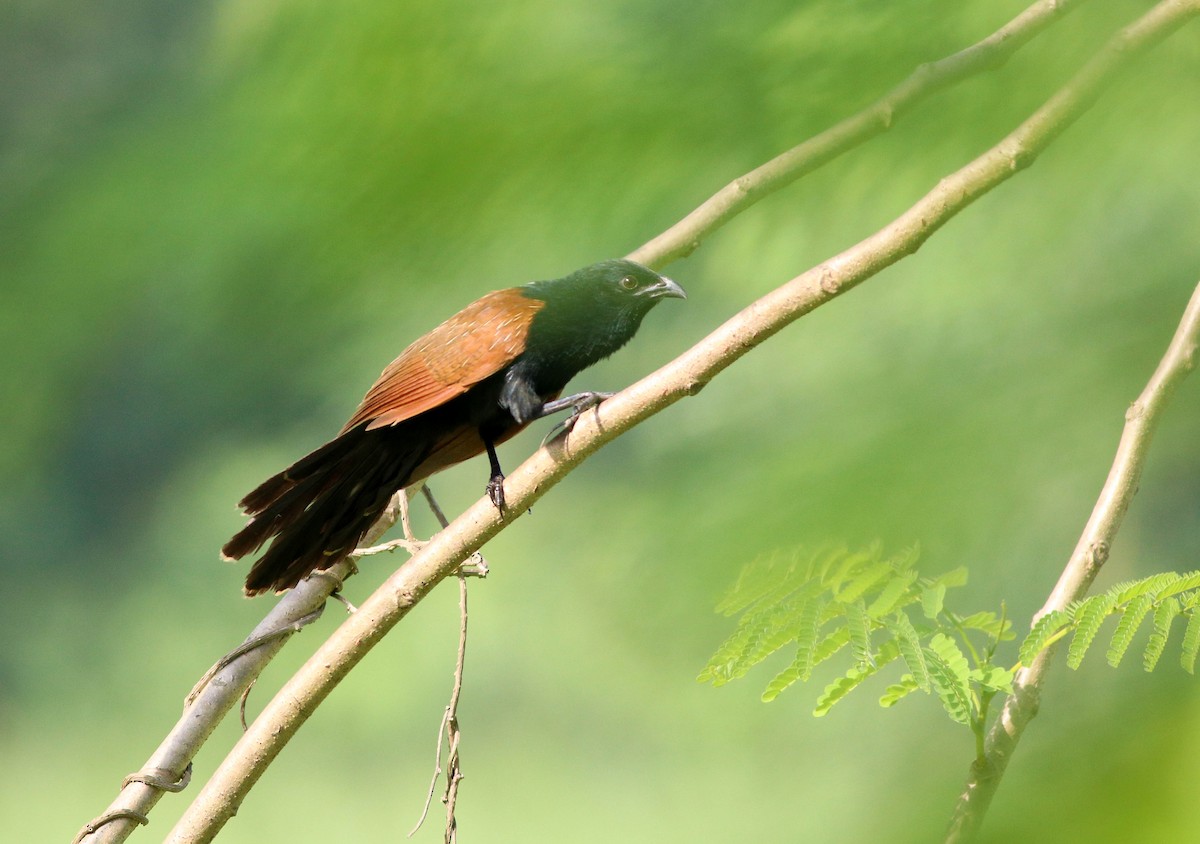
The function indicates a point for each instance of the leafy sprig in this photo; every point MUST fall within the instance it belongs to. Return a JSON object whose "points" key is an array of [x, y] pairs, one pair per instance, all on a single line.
{"points": [[879, 610]]}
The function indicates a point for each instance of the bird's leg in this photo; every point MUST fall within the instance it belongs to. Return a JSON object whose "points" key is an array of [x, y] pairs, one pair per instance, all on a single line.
{"points": [[495, 484], [578, 404]]}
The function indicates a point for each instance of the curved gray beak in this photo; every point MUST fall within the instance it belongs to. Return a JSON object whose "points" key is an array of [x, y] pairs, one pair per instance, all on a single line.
{"points": [[664, 288]]}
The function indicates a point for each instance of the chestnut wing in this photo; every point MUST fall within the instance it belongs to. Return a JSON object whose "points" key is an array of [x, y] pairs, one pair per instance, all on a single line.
{"points": [[477, 342]]}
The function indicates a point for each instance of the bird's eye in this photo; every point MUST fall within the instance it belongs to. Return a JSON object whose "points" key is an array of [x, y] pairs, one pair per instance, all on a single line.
{"points": [[629, 283]]}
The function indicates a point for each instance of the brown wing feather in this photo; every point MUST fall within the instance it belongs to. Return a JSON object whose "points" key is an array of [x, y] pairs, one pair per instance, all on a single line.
{"points": [[475, 343]]}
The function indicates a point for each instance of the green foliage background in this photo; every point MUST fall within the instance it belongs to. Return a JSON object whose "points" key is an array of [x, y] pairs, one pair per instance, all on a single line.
{"points": [[219, 220]]}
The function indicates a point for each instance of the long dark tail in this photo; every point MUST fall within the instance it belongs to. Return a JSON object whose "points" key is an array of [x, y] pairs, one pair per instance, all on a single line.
{"points": [[319, 507]]}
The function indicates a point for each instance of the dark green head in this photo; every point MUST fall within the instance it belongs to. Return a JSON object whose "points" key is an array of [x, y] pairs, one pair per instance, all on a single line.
{"points": [[592, 312]]}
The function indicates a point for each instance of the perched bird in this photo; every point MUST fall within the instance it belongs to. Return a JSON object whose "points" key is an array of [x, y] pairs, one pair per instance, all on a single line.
{"points": [[469, 384]]}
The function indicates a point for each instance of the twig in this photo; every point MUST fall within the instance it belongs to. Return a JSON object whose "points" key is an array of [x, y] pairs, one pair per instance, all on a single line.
{"points": [[992, 52], [684, 376], [1089, 556], [449, 725], [437, 772], [454, 772]]}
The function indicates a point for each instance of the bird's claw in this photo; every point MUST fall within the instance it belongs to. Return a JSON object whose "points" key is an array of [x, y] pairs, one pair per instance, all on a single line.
{"points": [[495, 491], [586, 402]]}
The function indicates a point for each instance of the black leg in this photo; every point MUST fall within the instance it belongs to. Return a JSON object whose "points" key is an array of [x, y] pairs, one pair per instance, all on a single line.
{"points": [[495, 484]]}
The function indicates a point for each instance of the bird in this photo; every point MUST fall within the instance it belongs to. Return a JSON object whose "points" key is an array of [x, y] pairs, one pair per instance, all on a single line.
{"points": [[460, 390]]}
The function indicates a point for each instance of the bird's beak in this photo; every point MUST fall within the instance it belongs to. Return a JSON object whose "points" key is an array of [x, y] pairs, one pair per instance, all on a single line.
{"points": [[664, 288]]}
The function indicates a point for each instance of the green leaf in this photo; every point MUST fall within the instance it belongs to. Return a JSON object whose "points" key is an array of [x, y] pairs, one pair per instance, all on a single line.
{"points": [[952, 578], [994, 678], [829, 646], [1191, 642], [932, 600], [849, 566], [909, 644], [989, 623], [1089, 615], [1163, 617], [890, 596], [951, 676], [859, 627], [1150, 586], [898, 691], [1131, 619], [1043, 629], [839, 688], [849, 681], [755, 580], [782, 680], [865, 581], [907, 558], [807, 629], [1187, 580]]}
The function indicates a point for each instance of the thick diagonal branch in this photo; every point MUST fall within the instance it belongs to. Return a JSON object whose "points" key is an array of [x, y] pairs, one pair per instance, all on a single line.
{"points": [[220, 798]]}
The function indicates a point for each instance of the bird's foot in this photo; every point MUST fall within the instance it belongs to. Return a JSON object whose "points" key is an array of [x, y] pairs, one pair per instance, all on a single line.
{"points": [[579, 404], [495, 491]]}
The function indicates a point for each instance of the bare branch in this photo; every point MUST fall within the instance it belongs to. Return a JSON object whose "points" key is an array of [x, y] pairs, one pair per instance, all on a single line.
{"points": [[1090, 554], [222, 795], [684, 237]]}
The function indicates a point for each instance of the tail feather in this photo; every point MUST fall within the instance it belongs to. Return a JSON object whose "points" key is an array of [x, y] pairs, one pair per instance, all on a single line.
{"points": [[318, 509]]}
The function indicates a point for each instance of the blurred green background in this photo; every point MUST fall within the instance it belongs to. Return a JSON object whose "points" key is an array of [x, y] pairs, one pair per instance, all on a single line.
{"points": [[219, 220]]}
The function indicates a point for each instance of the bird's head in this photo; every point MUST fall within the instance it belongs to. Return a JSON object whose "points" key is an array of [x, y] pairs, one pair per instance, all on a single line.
{"points": [[609, 287], [598, 309], [629, 284]]}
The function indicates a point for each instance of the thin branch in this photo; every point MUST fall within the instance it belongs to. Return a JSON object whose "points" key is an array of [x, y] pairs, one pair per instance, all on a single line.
{"points": [[992, 52], [212, 698], [181, 745], [449, 725], [1089, 556], [684, 376], [454, 772]]}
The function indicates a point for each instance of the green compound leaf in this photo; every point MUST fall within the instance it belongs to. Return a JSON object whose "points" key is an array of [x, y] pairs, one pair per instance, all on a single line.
{"points": [[870, 577], [993, 678], [1163, 616], [951, 676], [859, 627], [808, 627], [1039, 636], [1187, 581], [990, 624], [893, 594], [851, 680], [909, 643], [1191, 642], [1150, 586], [830, 645], [1130, 621], [952, 578], [840, 571], [1089, 615], [898, 691], [839, 688], [932, 600]]}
